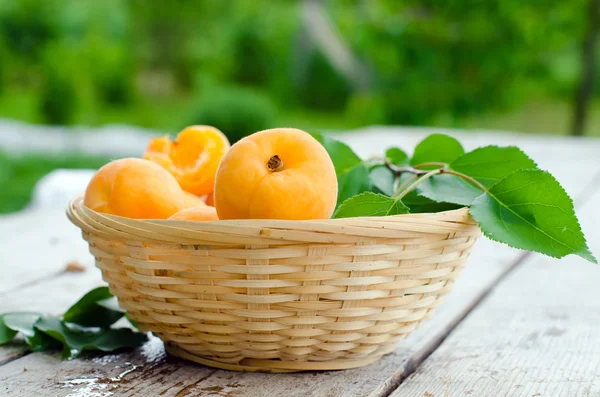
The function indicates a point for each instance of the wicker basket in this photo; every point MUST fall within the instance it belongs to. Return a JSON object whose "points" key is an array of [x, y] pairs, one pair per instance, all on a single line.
{"points": [[279, 296]]}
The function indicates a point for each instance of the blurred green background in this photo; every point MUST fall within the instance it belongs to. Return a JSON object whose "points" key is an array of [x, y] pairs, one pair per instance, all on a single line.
{"points": [[246, 65]]}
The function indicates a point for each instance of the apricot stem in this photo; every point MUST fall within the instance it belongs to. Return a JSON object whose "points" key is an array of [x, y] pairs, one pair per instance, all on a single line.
{"points": [[415, 169], [399, 194], [431, 164], [275, 164], [466, 178], [403, 186], [417, 183]]}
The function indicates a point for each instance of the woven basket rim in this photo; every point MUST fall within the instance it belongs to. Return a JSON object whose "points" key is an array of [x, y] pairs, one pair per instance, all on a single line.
{"points": [[113, 226]]}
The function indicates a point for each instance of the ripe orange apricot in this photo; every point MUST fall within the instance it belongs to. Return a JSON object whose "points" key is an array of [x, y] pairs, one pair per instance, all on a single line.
{"points": [[200, 213], [192, 158], [210, 199], [134, 188], [191, 200], [282, 173]]}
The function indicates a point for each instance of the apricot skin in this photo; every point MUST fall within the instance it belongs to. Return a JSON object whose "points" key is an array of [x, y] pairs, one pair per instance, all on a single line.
{"points": [[200, 213], [134, 188], [191, 200], [210, 199], [304, 188]]}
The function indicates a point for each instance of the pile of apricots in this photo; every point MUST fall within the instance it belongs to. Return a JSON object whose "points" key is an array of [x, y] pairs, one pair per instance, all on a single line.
{"points": [[281, 173]]}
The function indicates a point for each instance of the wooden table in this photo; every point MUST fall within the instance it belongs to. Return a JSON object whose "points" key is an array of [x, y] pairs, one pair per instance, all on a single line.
{"points": [[516, 324]]}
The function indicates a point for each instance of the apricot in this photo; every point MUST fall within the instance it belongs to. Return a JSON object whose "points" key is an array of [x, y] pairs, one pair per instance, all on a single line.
{"points": [[134, 188], [191, 200], [200, 213], [210, 199], [281, 173], [192, 158]]}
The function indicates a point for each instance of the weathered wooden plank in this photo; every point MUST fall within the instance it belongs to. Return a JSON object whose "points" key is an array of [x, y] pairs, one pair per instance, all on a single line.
{"points": [[54, 295], [537, 334], [12, 352], [146, 372], [35, 245], [487, 264]]}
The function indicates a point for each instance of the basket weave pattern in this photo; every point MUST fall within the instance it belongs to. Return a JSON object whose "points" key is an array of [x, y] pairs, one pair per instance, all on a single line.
{"points": [[275, 295]]}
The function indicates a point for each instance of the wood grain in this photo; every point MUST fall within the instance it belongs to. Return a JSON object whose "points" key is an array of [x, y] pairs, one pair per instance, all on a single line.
{"points": [[538, 333], [173, 377], [35, 245]]}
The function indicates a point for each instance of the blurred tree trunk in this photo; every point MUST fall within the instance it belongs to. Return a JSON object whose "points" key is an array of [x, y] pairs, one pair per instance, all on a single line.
{"points": [[321, 30], [588, 69]]}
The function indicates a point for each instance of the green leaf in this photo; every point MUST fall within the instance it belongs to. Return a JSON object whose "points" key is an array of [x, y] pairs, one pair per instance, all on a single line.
{"points": [[530, 210], [352, 173], [370, 204], [396, 156], [449, 188], [341, 155], [23, 322], [353, 181], [6, 334], [111, 304], [92, 311], [488, 165], [383, 179], [76, 340], [437, 148], [420, 204]]}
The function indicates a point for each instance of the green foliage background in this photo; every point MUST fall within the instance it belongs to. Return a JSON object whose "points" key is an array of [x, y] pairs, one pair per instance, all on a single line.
{"points": [[166, 65]]}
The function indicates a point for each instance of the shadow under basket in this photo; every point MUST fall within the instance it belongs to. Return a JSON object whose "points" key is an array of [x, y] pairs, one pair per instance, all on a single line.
{"points": [[276, 295]]}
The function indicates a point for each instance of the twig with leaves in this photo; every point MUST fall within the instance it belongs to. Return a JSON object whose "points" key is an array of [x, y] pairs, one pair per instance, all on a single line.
{"points": [[512, 200]]}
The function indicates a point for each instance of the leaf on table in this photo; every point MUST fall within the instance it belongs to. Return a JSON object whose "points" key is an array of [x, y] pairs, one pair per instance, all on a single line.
{"points": [[24, 322], [352, 172], [396, 156], [111, 304], [383, 179], [77, 340], [370, 204], [437, 148], [530, 210], [92, 310], [488, 165], [6, 334]]}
